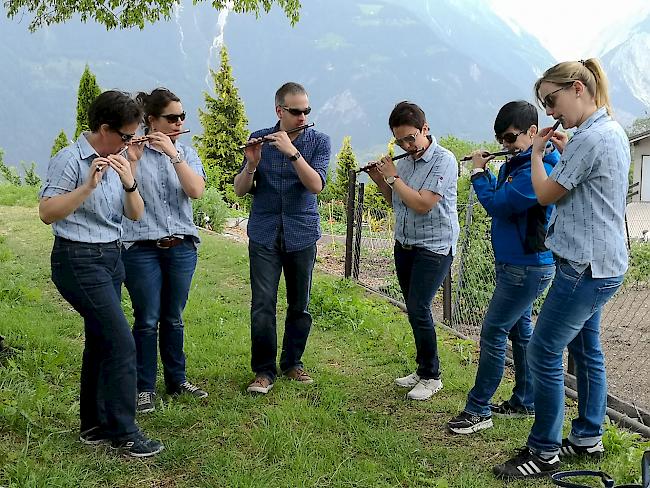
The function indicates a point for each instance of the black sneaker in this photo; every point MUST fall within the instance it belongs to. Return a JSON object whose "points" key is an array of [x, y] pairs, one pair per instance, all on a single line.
{"points": [[187, 388], [527, 464], [94, 436], [570, 449], [467, 423], [505, 409], [138, 446], [146, 402]]}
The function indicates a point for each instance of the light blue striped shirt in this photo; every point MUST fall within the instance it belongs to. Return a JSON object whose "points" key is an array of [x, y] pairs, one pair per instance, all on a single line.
{"points": [[167, 208], [437, 230], [588, 225], [99, 217]]}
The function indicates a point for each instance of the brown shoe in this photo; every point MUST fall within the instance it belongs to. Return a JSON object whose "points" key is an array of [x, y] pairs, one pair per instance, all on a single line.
{"points": [[299, 375], [261, 384]]}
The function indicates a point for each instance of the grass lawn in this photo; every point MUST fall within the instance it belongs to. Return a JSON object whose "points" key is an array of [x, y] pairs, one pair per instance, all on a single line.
{"points": [[352, 428]]}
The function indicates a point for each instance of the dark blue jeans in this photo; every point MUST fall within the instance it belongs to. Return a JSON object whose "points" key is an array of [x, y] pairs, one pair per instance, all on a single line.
{"points": [[265, 268], [420, 273], [508, 316], [159, 282], [570, 318], [89, 277]]}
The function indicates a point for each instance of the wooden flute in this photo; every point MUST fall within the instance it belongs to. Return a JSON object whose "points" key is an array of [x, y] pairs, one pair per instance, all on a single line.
{"points": [[290, 131], [138, 140], [375, 163]]}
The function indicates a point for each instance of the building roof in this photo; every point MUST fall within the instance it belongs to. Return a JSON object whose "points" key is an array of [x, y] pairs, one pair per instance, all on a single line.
{"points": [[639, 137]]}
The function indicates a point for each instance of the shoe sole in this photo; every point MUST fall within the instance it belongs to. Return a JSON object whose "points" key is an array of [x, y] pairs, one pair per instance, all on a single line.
{"points": [[513, 415], [565, 454], [404, 385], [433, 392], [486, 424], [145, 410], [260, 390], [126, 453], [94, 443]]}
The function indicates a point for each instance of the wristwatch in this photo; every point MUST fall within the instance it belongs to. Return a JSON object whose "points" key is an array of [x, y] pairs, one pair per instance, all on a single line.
{"points": [[295, 156], [176, 159], [476, 171], [391, 180]]}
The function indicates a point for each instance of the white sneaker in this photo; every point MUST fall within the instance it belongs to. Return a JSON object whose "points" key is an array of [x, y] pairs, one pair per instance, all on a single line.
{"points": [[424, 389], [408, 381]]}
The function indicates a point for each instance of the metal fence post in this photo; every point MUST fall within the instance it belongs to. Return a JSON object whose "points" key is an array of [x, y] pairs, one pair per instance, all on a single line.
{"points": [[349, 209], [446, 299], [358, 222]]}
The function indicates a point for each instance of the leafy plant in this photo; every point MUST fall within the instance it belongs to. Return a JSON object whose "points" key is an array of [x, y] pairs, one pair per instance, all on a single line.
{"points": [[210, 211]]}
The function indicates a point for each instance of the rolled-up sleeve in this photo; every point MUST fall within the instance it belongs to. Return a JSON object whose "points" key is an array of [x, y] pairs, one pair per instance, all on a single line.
{"points": [[577, 162], [62, 175]]}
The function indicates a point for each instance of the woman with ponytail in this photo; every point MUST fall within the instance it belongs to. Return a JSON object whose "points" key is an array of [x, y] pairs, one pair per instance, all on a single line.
{"points": [[161, 248], [586, 234]]}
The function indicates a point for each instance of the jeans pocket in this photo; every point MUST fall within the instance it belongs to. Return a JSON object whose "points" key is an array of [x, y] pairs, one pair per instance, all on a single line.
{"points": [[567, 271], [85, 253], [514, 275], [606, 291]]}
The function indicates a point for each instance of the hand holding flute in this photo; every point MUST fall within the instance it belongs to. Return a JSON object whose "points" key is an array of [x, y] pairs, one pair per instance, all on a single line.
{"points": [[559, 139], [373, 164]]}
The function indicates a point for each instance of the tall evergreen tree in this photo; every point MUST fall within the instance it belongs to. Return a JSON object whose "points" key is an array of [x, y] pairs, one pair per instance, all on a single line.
{"points": [[60, 142], [224, 130], [88, 91], [345, 161]]}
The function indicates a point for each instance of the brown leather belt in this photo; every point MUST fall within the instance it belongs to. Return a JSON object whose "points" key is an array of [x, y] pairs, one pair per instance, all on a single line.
{"points": [[166, 242]]}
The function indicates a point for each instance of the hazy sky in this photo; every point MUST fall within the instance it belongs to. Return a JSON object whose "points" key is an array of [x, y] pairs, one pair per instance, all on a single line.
{"points": [[575, 29]]}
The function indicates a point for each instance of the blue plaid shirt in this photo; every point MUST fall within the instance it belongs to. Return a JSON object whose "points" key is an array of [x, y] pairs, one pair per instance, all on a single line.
{"points": [[280, 198]]}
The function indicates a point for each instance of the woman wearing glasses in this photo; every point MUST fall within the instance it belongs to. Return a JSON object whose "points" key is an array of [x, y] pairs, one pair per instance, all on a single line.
{"points": [[161, 248], [586, 234], [89, 187], [422, 191]]}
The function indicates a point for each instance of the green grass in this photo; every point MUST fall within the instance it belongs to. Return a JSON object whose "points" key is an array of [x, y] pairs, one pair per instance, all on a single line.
{"points": [[352, 428]]}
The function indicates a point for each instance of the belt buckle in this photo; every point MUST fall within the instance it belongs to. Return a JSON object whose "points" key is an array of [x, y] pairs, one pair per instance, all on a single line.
{"points": [[165, 242], [407, 247]]}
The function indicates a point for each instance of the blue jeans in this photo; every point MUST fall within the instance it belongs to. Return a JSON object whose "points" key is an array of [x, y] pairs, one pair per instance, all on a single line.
{"points": [[265, 268], [159, 282], [420, 273], [89, 277], [570, 317], [508, 316]]}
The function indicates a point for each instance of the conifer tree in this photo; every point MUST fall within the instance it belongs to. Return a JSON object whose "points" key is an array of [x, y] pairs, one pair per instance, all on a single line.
{"points": [[60, 142], [345, 161], [88, 91], [224, 130]]}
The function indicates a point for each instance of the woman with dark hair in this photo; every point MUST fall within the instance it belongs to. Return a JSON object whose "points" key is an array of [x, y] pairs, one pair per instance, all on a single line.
{"points": [[89, 188], [161, 248]]}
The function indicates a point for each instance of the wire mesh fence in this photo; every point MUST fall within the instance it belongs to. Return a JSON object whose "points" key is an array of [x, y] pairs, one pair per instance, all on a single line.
{"points": [[625, 321]]}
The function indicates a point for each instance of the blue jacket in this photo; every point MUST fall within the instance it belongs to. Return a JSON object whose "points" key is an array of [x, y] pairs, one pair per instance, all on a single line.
{"points": [[518, 222]]}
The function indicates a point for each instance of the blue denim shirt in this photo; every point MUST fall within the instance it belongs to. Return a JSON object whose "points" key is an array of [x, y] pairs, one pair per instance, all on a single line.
{"points": [[167, 208], [99, 218], [280, 198], [587, 227]]}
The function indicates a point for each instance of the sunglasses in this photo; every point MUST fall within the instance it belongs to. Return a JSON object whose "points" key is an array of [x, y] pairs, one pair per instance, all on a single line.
{"points": [[410, 139], [549, 100], [125, 137], [297, 111], [509, 137], [173, 118]]}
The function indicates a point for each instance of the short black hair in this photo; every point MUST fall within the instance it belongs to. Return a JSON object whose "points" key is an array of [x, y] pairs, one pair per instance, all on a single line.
{"points": [[114, 108], [289, 88], [406, 113], [155, 102], [518, 114]]}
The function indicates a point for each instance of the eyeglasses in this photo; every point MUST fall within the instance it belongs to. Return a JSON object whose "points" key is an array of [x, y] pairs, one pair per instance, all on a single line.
{"points": [[173, 118], [297, 111], [410, 139], [125, 137], [549, 100], [509, 137]]}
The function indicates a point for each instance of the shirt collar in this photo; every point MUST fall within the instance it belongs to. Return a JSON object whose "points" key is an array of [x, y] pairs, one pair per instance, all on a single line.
{"points": [[85, 149], [427, 155], [593, 118]]}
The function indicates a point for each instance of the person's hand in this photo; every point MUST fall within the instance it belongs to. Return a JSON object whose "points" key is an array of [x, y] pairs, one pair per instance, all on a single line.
{"points": [[386, 167], [541, 138], [478, 158], [163, 143], [281, 141], [253, 153], [373, 171], [123, 169], [97, 169], [559, 140]]}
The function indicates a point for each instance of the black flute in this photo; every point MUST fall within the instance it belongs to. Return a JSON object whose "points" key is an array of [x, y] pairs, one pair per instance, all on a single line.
{"points": [[290, 131]]}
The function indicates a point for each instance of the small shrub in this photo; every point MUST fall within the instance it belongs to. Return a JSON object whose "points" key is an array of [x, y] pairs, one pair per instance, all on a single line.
{"points": [[210, 211]]}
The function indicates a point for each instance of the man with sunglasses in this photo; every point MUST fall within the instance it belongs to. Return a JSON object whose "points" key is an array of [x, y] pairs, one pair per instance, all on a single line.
{"points": [[284, 173], [524, 268]]}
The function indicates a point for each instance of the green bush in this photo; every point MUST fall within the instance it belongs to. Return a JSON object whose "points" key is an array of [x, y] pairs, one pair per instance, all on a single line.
{"points": [[639, 270], [210, 211], [20, 196]]}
